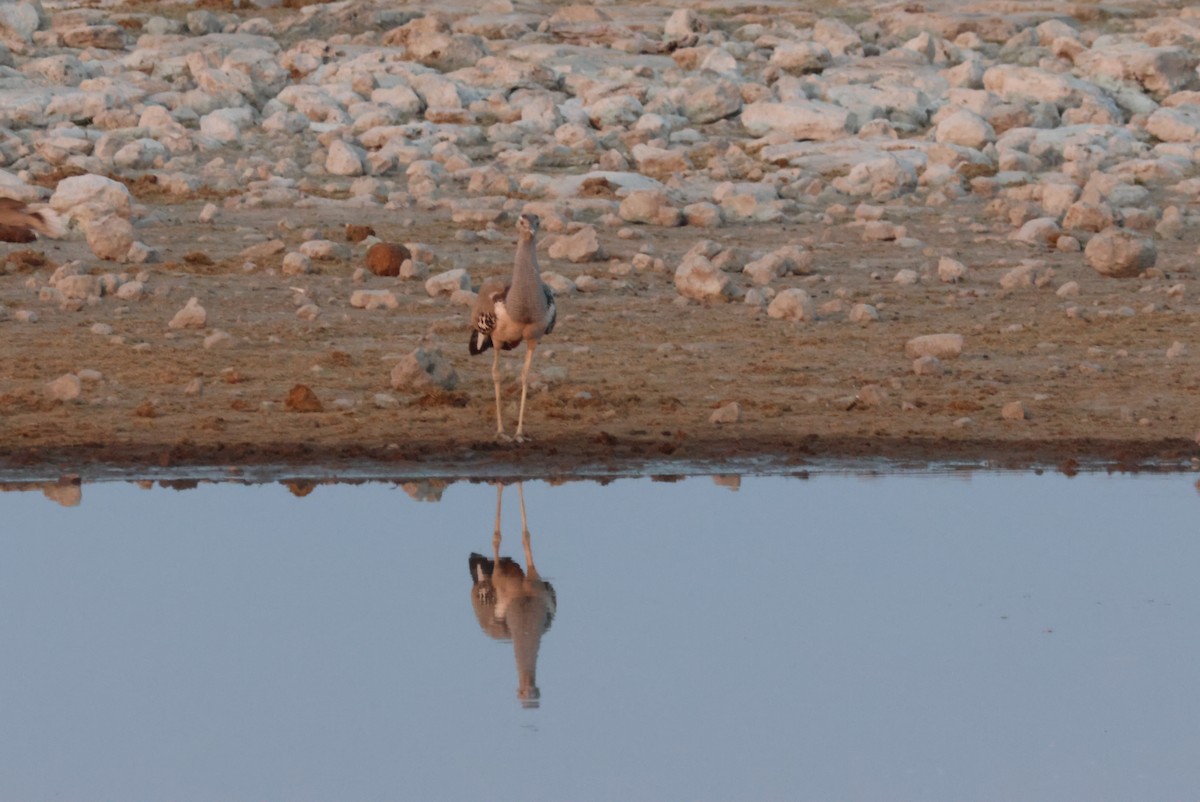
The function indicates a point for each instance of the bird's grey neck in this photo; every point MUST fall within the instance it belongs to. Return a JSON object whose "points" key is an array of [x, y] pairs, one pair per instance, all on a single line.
{"points": [[526, 300]]}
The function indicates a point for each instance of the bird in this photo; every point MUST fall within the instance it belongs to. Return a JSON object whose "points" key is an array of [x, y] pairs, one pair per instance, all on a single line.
{"points": [[511, 604], [509, 312], [19, 223]]}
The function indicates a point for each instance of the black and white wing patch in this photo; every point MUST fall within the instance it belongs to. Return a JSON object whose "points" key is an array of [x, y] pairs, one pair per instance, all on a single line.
{"points": [[551, 310]]}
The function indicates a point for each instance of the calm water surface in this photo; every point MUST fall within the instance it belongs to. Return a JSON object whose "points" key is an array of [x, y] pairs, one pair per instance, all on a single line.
{"points": [[999, 636]]}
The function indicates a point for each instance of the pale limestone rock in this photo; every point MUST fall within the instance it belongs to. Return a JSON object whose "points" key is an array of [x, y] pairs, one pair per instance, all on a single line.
{"points": [[697, 278], [67, 387], [729, 413], [800, 58], [812, 119], [792, 304], [1118, 253], [942, 346], [374, 299], [966, 129], [1014, 410], [191, 316], [110, 237], [424, 371], [582, 246], [951, 270], [447, 282]]}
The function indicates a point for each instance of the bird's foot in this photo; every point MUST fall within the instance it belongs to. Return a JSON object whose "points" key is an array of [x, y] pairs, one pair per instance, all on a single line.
{"points": [[521, 437], [503, 438]]}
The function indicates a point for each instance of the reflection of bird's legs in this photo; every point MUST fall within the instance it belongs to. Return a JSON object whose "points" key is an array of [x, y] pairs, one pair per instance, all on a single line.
{"points": [[530, 568], [529, 346], [496, 536], [496, 381]]}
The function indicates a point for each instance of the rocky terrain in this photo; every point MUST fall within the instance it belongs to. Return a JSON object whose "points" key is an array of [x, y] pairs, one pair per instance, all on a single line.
{"points": [[779, 232]]}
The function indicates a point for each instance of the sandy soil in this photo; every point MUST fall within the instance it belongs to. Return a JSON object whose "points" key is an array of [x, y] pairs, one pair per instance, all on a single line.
{"points": [[630, 376]]}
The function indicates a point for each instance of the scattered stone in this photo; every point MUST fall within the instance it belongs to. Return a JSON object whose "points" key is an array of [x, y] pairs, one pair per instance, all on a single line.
{"points": [[942, 346], [927, 366], [424, 371], [699, 279], [1177, 350], [1118, 253], [448, 282], [792, 304], [729, 413], [301, 398], [1014, 410], [951, 270], [296, 264], [582, 246], [863, 313], [386, 258], [191, 316], [374, 299], [67, 387]]}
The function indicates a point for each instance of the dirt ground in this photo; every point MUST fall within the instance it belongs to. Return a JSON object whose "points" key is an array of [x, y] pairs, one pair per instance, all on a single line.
{"points": [[629, 378]]}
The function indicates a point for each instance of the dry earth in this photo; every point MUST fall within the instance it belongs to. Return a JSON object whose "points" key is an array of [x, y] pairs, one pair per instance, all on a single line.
{"points": [[632, 373]]}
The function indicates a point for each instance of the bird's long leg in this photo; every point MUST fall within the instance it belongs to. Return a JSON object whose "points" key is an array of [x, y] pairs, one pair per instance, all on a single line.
{"points": [[496, 536], [530, 345], [530, 568], [496, 382]]}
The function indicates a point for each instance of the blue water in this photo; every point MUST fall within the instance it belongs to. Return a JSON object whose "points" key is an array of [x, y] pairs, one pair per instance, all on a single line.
{"points": [[997, 636]]}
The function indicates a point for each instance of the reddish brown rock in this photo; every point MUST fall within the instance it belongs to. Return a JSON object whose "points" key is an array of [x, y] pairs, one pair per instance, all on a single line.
{"points": [[301, 398], [385, 258]]}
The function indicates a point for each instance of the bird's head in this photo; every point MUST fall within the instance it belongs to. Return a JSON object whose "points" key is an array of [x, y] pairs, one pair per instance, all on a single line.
{"points": [[527, 226]]}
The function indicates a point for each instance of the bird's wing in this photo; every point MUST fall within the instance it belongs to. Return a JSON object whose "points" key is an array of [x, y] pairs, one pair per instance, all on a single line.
{"points": [[551, 309]]}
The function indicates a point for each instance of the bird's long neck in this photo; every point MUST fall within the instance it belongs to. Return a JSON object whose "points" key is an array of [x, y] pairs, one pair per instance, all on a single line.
{"points": [[526, 299]]}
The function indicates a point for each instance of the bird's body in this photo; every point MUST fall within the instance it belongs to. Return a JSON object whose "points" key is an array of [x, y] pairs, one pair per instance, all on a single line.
{"points": [[19, 223], [513, 604], [514, 311]]}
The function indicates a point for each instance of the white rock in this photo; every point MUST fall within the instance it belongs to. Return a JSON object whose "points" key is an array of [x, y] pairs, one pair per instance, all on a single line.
{"points": [[296, 264], [801, 57], [1039, 231], [951, 270], [1068, 290], [110, 237], [799, 119], [1177, 350], [582, 246], [67, 387], [942, 346], [729, 413], [697, 278], [103, 195], [906, 277], [1118, 253], [965, 128], [928, 366], [191, 316], [373, 299], [424, 371], [345, 159], [1014, 410], [792, 304], [227, 125], [131, 291], [863, 313], [448, 282], [325, 250], [219, 339], [1180, 124]]}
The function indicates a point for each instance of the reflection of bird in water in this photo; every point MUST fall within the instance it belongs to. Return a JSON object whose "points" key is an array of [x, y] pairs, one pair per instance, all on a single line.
{"points": [[19, 223], [509, 312], [512, 604]]}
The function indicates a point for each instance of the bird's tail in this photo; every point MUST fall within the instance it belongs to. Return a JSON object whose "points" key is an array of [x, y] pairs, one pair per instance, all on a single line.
{"points": [[479, 343], [46, 221], [43, 220], [481, 567]]}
